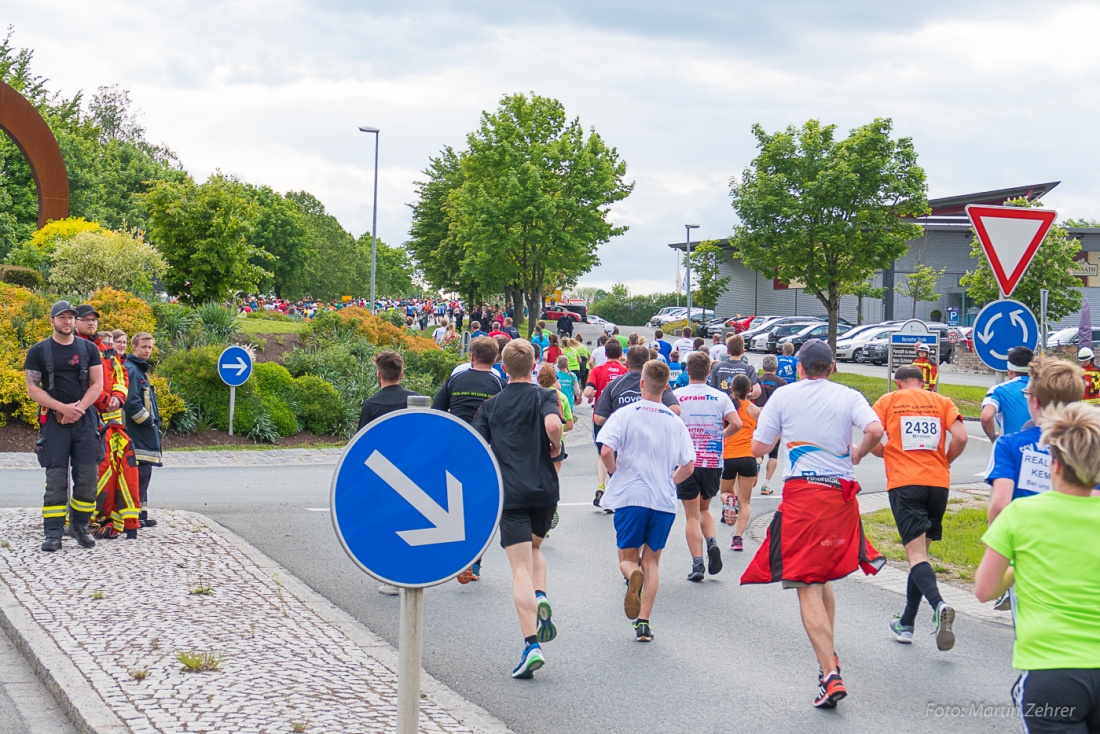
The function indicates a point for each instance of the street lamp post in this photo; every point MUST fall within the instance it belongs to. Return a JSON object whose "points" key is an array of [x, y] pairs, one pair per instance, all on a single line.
{"points": [[374, 217], [688, 228]]}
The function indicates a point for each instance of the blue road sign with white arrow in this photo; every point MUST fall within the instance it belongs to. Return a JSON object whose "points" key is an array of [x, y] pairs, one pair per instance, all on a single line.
{"points": [[1000, 326], [235, 366], [416, 497]]}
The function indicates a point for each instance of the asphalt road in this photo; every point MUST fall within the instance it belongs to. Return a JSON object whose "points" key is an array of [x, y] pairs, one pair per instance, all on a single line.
{"points": [[725, 657]]}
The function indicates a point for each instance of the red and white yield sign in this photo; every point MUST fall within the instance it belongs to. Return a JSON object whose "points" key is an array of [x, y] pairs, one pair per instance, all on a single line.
{"points": [[1010, 236]]}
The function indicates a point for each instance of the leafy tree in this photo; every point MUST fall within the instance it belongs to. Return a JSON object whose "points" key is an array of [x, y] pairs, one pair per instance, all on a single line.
{"points": [[705, 275], [1051, 268], [203, 232], [335, 266], [93, 260], [38, 252], [920, 285], [281, 233], [863, 289], [438, 257], [828, 212], [393, 269], [532, 204], [619, 307]]}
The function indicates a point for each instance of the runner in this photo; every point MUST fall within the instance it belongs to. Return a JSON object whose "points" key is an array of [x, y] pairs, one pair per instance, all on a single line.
{"points": [[722, 373], [1005, 405], [769, 383], [523, 428], [598, 381], [685, 344], [918, 477], [675, 370], [740, 467], [647, 452], [703, 410], [788, 364], [599, 354], [662, 346], [1052, 541], [567, 382], [718, 350], [816, 535]]}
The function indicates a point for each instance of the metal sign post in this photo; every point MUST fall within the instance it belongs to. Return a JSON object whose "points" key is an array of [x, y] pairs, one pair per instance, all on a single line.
{"points": [[234, 367], [902, 348], [414, 514], [1044, 298]]}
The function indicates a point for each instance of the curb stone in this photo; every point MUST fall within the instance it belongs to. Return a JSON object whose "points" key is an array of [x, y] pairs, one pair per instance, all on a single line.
{"points": [[896, 580]]}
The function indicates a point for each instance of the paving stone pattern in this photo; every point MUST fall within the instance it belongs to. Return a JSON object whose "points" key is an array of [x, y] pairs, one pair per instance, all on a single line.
{"points": [[281, 662]]}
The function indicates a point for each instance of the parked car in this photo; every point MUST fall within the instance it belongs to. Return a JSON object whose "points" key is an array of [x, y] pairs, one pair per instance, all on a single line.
{"points": [[713, 326], [665, 315], [876, 351], [553, 314], [698, 316], [813, 331], [754, 331], [851, 347], [788, 329], [1068, 336], [595, 320], [968, 337], [751, 334]]}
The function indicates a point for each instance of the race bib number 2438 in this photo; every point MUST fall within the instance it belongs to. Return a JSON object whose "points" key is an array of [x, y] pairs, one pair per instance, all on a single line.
{"points": [[920, 433]]}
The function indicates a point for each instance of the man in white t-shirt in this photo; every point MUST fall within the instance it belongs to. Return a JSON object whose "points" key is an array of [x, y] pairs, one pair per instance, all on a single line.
{"points": [[440, 332], [718, 350], [647, 451], [816, 535], [685, 344], [599, 354], [704, 410]]}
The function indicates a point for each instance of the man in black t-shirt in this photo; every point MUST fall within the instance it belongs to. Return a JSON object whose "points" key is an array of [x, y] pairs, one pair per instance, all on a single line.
{"points": [[463, 394], [391, 396], [723, 371], [65, 383], [523, 427]]}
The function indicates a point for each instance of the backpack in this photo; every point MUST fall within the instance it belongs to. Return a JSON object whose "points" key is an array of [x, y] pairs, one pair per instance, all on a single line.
{"points": [[84, 350]]}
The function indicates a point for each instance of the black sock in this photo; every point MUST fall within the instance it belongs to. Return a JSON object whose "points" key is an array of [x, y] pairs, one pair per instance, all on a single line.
{"points": [[912, 602], [642, 621], [712, 541], [539, 592], [925, 578], [531, 640]]}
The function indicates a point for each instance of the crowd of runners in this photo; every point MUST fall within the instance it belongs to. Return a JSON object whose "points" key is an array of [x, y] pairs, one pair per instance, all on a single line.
{"points": [[680, 423]]}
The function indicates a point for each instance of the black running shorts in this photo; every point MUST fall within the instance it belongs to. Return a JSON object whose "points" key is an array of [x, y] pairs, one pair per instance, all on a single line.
{"points": [[702, 483], [742, 466], [1058, 700], [774, 453], [918, 511], [518, 525]]}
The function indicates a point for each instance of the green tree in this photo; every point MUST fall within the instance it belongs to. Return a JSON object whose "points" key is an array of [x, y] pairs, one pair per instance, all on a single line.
{"points": [[438, 257], [828, 212], [532, 205], [335, 266], [863, 289], [1051, 268], [281, 233], [93, 260], [619, 307], [203, 232], [708, 283], [393, 268], [920, 285]]}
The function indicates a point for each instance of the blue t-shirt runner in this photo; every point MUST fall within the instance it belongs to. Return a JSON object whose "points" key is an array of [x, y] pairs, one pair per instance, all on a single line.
{"points": [[1011, 404]]}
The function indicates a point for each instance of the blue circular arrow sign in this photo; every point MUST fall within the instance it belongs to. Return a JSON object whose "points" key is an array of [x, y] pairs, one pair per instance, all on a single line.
{"points": [[416, 497], [1000, 326], [235, 366]]}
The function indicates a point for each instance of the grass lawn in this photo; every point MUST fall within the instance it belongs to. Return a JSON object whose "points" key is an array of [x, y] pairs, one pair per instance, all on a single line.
{"points": [[263, 326], [968, 398], [956, 557]]}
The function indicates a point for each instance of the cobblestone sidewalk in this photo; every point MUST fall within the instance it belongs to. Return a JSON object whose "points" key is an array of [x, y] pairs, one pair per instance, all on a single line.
{"points": [[288, 660], [190, 459]]}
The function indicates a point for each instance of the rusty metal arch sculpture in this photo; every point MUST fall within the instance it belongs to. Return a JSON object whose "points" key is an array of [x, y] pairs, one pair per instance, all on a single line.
{"points": [[21, 121]]}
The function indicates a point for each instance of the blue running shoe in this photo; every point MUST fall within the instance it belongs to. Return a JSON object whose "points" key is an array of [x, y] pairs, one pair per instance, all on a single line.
{"points": [[547, 631], [529, 662]]}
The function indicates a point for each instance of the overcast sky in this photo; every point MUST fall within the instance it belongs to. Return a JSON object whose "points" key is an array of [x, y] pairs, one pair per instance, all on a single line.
{"points": [[994, 94]]}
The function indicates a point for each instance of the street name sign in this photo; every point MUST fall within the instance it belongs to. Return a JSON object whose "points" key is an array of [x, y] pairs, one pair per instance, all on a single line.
{"points": [[903, 347], [1000, 326], [416, 498], [1010, 236], [235, 366]]}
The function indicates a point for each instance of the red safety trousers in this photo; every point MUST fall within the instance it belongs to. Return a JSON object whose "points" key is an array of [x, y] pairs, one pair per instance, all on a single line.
{"points": [[117, 494]]}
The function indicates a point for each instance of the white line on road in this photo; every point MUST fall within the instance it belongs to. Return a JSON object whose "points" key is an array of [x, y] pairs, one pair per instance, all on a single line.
{"points": [[317, 509]]}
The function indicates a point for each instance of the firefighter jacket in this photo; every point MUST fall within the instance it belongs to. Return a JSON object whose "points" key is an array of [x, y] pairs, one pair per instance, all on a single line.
{"points": [[1092, 384], [929, 372], [142, 414], [114, 384]]}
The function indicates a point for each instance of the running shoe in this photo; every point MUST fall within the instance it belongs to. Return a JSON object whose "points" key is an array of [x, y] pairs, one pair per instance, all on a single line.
{"points": [[632, 604], [389, 590], [903, 632], [729, 510], [547, 631], [737, 544], [466, 576], [765, 489], [942, 620], [642, 632], [529, 662], [696, 572], [1004, 603], [599, 496], [829, 691], [476, 571], [714, 558], [554, 520]]}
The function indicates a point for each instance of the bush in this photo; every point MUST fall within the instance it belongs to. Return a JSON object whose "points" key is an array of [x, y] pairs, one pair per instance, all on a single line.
{"points": [[394, 317], [274, 379], [14, 400], [174, 320], [168, 401], [281, 415], [262, 315], [93, 260], [122, 310], [219, 323], [619, 307], [23, 322], [320, 407], [25, 277], [436, 364]]}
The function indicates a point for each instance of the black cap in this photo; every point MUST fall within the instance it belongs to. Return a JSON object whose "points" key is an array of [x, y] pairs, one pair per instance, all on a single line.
{"points": [[815, 350], [86, 309], [61, 307]]}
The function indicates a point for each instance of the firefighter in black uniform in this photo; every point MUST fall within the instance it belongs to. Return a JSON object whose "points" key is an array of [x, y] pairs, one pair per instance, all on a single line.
{"points": [[65, 377]]}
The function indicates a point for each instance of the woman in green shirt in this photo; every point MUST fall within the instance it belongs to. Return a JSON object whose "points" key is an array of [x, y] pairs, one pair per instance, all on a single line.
{"points": [[1052, 541]]}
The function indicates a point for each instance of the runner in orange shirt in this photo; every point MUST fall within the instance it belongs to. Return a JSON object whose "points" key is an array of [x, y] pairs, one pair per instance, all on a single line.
{"points": [[918, 475]]}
